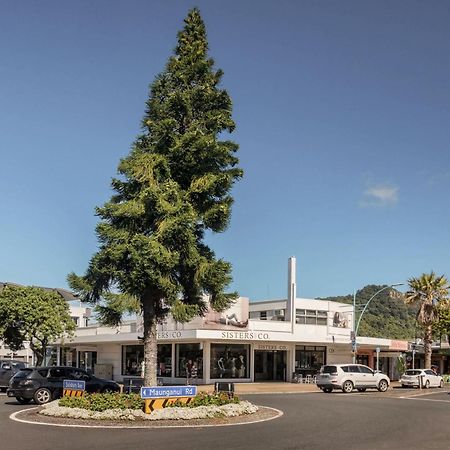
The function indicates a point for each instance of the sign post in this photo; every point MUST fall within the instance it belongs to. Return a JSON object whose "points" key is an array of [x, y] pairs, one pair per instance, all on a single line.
{"points": [[157, 397], [74, 388]]}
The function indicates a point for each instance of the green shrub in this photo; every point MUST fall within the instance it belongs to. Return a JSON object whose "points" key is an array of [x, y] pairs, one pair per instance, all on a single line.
{"points": [[205, 399], [102, 402]]}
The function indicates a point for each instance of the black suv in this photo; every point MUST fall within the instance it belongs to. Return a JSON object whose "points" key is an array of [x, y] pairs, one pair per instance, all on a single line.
{"points": [[8, 368], [44, 384]]}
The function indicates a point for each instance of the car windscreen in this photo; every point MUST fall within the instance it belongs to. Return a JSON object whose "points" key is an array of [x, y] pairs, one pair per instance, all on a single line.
{"points": [[23, 373], [413, 372], [329, 369]]}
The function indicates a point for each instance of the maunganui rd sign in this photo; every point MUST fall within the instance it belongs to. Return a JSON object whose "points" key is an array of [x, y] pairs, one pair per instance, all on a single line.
{"points": [[168, 391]]}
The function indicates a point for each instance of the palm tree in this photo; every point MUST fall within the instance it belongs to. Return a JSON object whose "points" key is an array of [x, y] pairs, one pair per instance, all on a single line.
{"points": [[427, 292]]}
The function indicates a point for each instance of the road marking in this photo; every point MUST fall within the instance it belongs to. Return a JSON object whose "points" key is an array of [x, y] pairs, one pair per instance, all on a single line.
{"points": [[424, 399], [149, 427]]}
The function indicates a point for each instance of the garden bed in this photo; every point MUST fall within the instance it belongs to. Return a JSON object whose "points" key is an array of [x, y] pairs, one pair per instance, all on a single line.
{"points": [[119, 410], [33, 415]]}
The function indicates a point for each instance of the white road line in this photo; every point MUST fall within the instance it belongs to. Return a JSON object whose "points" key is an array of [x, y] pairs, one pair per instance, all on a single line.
{"points": [[424, 399], [148, 427]]}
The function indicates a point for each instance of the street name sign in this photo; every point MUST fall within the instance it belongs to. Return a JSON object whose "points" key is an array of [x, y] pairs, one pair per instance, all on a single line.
{"points": [[157, 397], [74, 388]]}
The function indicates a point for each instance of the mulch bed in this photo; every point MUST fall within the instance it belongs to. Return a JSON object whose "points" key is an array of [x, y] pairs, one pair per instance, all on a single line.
{"points": [[262, 414]]}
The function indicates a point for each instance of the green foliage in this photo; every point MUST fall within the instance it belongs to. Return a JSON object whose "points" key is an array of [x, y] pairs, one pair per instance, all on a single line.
{"points": [[172, 188], [385, 317], [103, 401], [442, 326], [205, 399], [400, 364], [430, 293], [35, 315], [427, 292]]}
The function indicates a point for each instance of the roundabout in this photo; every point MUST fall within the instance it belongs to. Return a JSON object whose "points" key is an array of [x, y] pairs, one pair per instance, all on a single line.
{"points": [[32, 416]]}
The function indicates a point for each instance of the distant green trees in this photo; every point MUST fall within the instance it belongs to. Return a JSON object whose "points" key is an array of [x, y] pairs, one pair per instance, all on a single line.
{"points": [[35, 315], [386, 316]]}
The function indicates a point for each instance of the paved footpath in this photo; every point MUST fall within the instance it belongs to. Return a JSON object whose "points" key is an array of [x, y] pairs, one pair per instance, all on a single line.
{"points": [[286, 388]]}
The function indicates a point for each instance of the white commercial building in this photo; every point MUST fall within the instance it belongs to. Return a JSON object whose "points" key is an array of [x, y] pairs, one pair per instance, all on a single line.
{"points": [[252, 341]]}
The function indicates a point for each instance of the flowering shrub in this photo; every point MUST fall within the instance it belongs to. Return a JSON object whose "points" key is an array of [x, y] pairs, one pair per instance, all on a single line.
{"points": [[202, 412], [103, 402]]}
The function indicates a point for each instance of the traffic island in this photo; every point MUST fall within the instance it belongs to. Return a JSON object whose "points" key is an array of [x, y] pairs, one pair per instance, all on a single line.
{"points": [[34, 416]]}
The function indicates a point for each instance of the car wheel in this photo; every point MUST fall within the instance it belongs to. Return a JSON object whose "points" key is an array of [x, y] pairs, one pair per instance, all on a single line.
{"points": [[441, 384], [383, 386], [23, 401], [427, 384], [327, 390], [362, 389], [347, 387], [42, 395]]}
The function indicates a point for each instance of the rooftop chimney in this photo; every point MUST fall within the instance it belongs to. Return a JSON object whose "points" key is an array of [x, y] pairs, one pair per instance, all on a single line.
{"points": [[292, 291]]}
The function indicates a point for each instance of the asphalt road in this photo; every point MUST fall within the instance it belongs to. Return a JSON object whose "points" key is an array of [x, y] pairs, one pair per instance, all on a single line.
{"points": [[310, 421]]}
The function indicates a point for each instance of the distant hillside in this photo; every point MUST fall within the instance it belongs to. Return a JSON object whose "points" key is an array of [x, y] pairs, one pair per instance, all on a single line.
{"points": [[385, 317]]}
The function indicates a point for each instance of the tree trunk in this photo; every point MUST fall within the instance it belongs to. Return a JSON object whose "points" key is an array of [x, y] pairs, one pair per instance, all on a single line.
{"points": [[150, 344], [38, 354], [427, 341]]}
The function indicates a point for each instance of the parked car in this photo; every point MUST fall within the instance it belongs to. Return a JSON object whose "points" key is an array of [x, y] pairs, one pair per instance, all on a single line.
{"points": [[8, 368], [429, 378], [351, 376], [43, 384]]}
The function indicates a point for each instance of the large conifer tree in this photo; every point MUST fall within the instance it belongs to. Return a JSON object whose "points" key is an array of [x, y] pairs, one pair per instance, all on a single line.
{"points": [[173, 186]]}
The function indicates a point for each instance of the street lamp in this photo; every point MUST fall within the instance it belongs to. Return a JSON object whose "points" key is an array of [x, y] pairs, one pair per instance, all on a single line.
{"points": [[355, 329]]}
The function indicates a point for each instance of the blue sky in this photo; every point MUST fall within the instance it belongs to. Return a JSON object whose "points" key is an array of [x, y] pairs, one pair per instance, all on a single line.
{"points": [[342, 112]]}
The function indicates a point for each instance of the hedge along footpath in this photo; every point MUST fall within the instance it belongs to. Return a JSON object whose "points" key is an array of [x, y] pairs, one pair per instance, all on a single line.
{"points": [[130, 407]]}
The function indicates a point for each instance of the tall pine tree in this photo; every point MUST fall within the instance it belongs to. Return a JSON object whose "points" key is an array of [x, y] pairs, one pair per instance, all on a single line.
{"points": [[174, 186]]}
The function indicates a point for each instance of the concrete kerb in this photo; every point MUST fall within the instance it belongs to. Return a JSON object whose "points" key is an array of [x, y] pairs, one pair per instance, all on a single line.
{"points": [[150, 426]]}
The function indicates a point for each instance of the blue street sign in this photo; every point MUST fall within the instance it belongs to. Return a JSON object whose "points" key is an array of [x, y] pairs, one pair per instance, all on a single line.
{"points": [[76, 385], [168, 391]]}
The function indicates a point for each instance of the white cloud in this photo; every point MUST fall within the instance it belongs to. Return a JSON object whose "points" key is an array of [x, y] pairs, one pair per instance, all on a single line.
{"points": [[380, 195]]}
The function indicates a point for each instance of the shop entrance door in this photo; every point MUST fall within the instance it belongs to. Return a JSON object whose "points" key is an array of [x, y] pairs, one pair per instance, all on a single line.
{"points": [[270, 365]]}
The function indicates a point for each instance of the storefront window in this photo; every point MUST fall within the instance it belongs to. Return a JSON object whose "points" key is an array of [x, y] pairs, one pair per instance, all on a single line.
{"points": [[87, 360], [68, 356], [165, 360], [230, 361], [189, 354], [132, 359], [51, 356], [309, 359]]}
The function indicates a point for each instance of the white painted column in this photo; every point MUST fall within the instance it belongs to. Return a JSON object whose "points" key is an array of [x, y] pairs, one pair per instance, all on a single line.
{"points": [[206, 362]]}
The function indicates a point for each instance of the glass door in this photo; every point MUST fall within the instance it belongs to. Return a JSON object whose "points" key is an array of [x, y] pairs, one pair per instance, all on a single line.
{"points": [[87, 361]]}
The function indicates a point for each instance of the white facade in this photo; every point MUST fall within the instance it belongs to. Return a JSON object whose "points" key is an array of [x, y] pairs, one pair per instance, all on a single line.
{"points": [[278, 342]]}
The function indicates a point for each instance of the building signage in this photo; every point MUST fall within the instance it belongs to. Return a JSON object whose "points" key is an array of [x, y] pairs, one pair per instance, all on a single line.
{"points": [[246, 335], [75, 385], [168, 391], [398, 345], [270, 347], [169, 335]]}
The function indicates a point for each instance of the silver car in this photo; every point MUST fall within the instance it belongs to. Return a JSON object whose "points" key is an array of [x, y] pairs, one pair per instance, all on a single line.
{"points": [[412, 378], [351, 376]]}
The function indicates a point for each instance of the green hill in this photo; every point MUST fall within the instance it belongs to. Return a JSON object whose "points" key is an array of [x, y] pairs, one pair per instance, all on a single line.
{"points": [[385, 317]]}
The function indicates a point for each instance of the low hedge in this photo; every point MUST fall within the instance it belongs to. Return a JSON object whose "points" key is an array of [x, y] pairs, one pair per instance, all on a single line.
{"points": [[102, 402], [205, 399]]}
